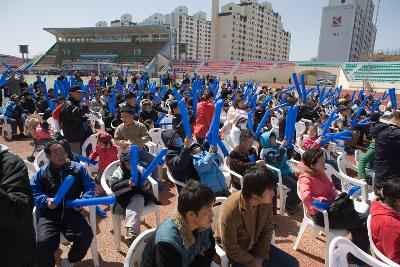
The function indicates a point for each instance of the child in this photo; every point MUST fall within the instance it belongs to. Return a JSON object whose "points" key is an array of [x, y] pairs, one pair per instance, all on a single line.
{"points": [[311, 140], [207, 165], [131, 198], [275, 156], [43, 132], [105, 150]]}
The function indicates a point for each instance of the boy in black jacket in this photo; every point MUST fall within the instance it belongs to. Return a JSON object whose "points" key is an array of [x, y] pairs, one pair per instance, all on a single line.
{"points": [[131, 197]]}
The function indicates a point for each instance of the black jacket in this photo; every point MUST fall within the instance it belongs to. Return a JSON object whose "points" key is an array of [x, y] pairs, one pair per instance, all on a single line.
{"points": [[119, 183], [387, 151], [28, 106], [179, 160], [17, 234], [73, 121], [152, 115]]}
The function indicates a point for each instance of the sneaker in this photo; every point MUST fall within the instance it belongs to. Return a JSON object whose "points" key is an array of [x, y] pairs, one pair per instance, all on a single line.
{"points": [[130, 233], [15, 137], [66, 263]]}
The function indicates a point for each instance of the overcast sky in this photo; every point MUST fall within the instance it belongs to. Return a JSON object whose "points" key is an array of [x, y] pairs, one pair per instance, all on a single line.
{"points": [[22, 22]]}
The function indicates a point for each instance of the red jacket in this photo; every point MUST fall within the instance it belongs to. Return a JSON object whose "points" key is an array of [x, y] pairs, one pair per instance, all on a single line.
{"points": [[310, 142], [205, 113], [385, 230], [314, 185], [57, 112], [106, 156]]}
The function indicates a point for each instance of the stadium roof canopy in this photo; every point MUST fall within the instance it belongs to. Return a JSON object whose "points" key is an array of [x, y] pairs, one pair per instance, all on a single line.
{"points": [[120, 30]]}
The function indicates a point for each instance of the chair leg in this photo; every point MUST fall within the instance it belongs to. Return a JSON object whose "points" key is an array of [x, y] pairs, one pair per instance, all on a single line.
{"points": [[93, 246], [117, 231], [328, 239], [300, 234], [157, 213]]}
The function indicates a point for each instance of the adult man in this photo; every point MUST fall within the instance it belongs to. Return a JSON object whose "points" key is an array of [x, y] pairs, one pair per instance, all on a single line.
{"points": [[13, 85], [55, 219], [185, 239], [179, 158], [73, 119], [387, 150], [148, 112], [243, 156], [16, 203], [132, 132], [27, 104], [245, 223]]}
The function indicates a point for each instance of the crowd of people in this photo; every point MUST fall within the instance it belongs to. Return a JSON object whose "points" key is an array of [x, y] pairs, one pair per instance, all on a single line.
{"points": [[256, 149]]}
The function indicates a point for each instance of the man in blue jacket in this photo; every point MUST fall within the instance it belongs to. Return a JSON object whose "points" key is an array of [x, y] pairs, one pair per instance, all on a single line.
{"points": [[54, 219]]}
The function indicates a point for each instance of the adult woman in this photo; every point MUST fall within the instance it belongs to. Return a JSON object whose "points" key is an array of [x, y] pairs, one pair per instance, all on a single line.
{"points": [[205, 113], [314, 184]]}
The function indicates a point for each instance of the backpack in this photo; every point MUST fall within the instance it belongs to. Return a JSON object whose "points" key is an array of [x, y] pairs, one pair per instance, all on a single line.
{"points": [[10, 110]]}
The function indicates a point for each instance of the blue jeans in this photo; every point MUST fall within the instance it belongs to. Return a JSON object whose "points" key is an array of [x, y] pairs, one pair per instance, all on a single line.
{"points": [[277, 258]]}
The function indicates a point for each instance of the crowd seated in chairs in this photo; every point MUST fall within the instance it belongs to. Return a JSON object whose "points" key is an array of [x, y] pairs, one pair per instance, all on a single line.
{"points": [[250, 164]]}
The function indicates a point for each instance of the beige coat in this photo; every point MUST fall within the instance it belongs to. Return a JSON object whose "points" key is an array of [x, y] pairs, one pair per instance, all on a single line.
{"points": [[136, 133], [237, 230]]}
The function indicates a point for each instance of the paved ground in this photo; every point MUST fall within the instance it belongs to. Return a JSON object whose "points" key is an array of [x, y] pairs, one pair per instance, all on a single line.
{"points": [[310, 252]]}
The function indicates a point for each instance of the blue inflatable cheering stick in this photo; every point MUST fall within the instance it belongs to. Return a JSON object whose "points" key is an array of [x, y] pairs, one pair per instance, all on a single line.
{"points": [[153, 164], [134, 156], [393, 99], [63, 189], [185, 118], [90, 202]]}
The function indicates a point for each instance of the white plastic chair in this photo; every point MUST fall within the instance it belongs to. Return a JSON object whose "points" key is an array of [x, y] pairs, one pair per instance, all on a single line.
{"points": [[233, 173], [55, 124], [135, 251], [32, 169], [340, 247], [93, 119], [308, 221], [359, 206], [300, 127], [282, 189], [40, 159], [176, 183], [374, 250], [6, 127], [275, 125], [155, 135], [116, 219], [347, 181], [216, 210], [91, 140]]}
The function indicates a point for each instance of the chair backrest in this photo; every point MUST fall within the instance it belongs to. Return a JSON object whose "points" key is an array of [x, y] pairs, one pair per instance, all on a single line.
{"points": [[300, 128], [155, 135], [90, 141], [173, 180], [32, 169], [108, 171], [358, 154], [374, 250], [341, 246], [135, 252], [93, 119], [40, 159], [55, 124], [216, 210]]}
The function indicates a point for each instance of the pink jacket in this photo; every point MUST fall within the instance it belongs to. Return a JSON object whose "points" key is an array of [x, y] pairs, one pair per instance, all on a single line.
{"points": [[314, 185], [310, 142], [385, 230], [106, 156], [205, 113]]}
